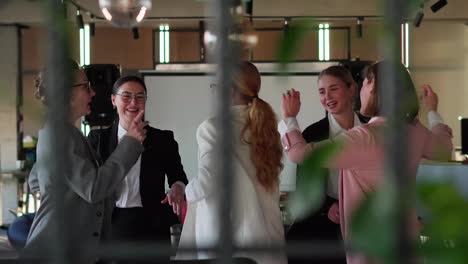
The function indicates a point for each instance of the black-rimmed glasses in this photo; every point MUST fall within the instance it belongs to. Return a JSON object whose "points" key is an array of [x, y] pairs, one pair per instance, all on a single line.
{"points": [[86, 85], [128, 97]]}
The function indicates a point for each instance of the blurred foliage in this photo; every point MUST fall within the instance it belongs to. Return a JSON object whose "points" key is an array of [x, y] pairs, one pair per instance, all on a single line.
{"points": [[310, 181], [290, 44], [445, 225], [373, 225], [411, 7], [373, 228]]}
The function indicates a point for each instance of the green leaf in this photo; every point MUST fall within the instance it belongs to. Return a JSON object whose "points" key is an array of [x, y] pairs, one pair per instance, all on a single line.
{"points": [[447, 210], [445, 223], [310, 181], [373, 228], [374, 232], [289, 45]]}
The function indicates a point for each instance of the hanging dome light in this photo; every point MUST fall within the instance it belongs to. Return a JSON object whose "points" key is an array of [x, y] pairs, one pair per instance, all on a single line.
{"points": [[124, 13]]}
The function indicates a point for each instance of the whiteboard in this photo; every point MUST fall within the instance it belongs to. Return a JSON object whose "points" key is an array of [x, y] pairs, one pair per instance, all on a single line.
{"points": [[182, 101]]}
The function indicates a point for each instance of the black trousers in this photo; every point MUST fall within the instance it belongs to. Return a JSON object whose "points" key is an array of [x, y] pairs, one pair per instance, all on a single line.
{"points": [[140, 225], [317, 227]]}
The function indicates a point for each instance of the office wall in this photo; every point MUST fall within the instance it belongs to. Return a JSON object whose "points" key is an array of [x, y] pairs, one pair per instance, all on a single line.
{"points": [[8, 118], [34, 55], [34, 45], [116, 45], [8, 95], [439, 56], [181, 102]]}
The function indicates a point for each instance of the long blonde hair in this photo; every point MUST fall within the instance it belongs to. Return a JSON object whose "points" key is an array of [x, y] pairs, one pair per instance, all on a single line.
{"points": [[266, 149]]}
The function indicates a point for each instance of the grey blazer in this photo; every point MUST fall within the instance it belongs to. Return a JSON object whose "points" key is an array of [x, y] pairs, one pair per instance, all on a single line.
{"points": [[86, 192]]}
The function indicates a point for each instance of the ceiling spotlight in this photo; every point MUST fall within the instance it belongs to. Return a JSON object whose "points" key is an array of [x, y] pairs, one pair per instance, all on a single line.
{"points": [[359, 26], [79, 19], [135, 33], [438, 5], [92, 26], [124, 13], [418, 18], [287, 21]]}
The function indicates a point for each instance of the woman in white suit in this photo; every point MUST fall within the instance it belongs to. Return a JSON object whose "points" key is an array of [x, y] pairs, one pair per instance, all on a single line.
{"points": [[84, 192], [256, 216]]}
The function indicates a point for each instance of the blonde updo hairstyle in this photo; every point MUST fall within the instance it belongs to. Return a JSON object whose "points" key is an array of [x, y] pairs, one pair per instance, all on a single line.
{"points": [[40, 81]]}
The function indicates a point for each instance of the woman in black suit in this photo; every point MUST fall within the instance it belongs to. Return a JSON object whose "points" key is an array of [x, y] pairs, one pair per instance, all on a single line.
{"points": [[337, 91], [142, 209]]}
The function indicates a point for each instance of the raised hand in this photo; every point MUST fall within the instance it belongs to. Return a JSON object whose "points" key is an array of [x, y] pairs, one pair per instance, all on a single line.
{"points": [[291, 103], [136, 128], [429, 98]]}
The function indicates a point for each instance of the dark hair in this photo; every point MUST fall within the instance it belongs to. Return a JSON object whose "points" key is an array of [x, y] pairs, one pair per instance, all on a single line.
{"points": [[263, 137], [40, 80], [410, 102], [123, 80], [339, 72]]}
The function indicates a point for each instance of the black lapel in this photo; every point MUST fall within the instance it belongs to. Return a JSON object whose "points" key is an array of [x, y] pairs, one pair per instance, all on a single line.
{"points": [[149, 136], [145, 165], [317, 132], [363, 119], [113, 137]]}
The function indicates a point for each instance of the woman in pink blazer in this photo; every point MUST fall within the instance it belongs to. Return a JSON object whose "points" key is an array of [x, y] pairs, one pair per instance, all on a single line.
{"points": [[361, 158]]}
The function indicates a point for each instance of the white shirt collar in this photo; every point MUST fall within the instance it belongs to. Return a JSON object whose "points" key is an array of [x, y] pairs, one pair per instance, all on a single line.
{"points": [[121, 132], [336, 129], [129, 193]]}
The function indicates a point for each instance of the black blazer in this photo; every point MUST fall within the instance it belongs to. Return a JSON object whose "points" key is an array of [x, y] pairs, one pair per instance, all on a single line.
{"points": [[320, 130], [317, 225], [159, 158]]}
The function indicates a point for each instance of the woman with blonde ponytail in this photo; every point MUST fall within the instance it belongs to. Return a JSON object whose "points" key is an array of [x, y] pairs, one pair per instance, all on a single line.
{"points": [[256, 162]]}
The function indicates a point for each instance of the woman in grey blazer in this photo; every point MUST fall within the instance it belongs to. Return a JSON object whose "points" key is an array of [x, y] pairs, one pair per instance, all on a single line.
{"points": [[81, 199]]}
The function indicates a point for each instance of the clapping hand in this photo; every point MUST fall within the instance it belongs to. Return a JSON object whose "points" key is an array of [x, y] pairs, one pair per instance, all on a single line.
{"points": [[136, 128], [429, 98], [291, 103]]}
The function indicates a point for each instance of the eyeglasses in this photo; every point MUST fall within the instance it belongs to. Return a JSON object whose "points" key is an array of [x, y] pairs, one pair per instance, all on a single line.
{"points": [[128, 97], [86, 85]]}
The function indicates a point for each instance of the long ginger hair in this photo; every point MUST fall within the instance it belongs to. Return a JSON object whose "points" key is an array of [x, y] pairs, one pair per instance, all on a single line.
{"points": [[263, 137]]}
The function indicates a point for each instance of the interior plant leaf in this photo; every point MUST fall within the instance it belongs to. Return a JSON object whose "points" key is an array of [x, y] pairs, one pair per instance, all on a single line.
{"points": [[446, 213], [310, 181], [290, 43], [373, 230]]}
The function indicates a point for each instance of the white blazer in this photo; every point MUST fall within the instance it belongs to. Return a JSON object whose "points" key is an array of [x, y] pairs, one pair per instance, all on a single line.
{"points": [[256, 215]]}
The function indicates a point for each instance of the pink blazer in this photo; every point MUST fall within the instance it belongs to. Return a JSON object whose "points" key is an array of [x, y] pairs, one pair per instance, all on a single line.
{"points": [[361, 161]]}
